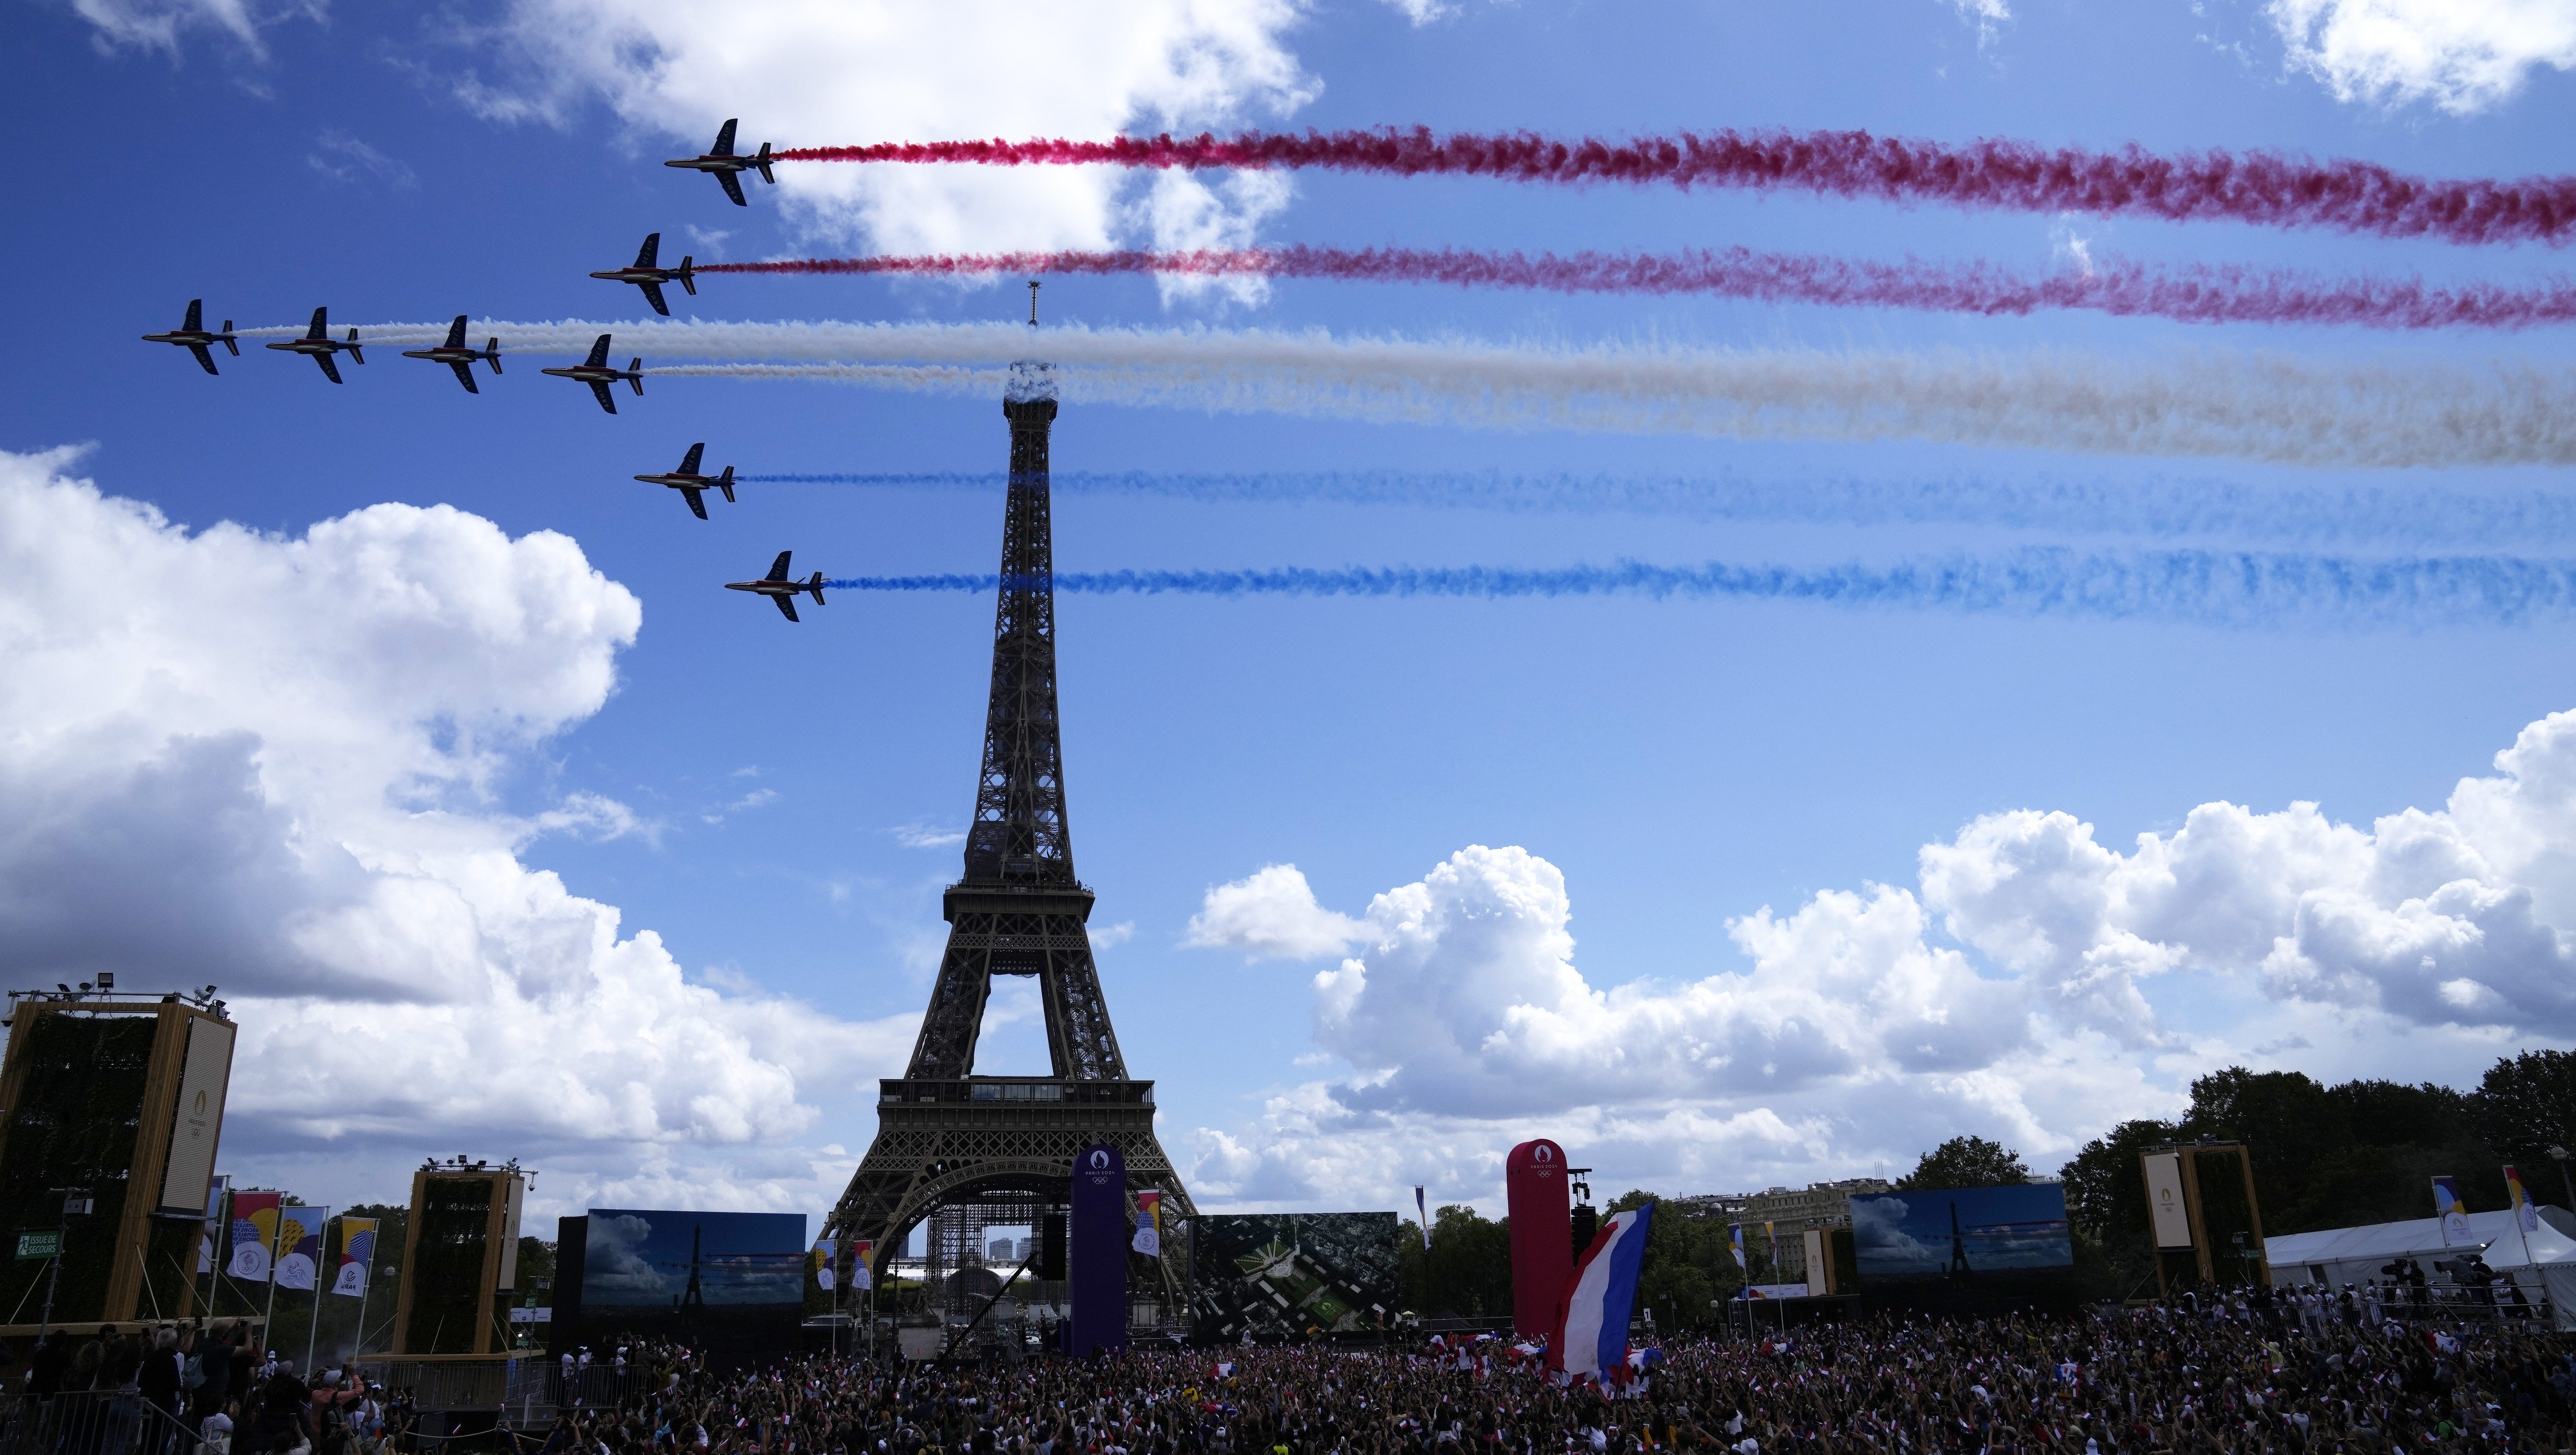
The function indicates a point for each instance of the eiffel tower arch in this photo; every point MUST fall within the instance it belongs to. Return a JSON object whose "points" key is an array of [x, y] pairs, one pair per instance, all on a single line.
{"points": [[946, 1137]]}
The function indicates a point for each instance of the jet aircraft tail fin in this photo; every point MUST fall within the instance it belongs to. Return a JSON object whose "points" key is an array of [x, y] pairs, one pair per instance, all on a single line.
{"points": [[492, 354], [724, 483], [228, 343], [354, 351], [688, 274], [762, 162], [816, 586], [635, 375]]}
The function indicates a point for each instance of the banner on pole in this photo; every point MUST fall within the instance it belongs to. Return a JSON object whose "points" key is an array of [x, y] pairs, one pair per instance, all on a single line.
{"points": [[2453, 1212], [299, 1246], [860, 1254], [1149, 1227], [357, 1254], [216, 1187], [254, 1228], [820, 1260], [2165, 1206], [1097, 1255], [2525, 1212]]}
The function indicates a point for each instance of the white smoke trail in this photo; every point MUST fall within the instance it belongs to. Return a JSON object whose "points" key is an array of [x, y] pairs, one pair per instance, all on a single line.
{"points": [[2261, 406]]}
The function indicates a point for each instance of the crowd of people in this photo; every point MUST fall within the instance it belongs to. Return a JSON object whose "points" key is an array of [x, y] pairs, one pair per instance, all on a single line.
{"points": [[192, 1389], [2246, 1376], [2239, 1377]]}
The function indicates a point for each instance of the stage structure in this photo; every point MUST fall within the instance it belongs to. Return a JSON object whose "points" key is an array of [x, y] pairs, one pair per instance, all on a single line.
{"points": [[111, 1107], [1003, 1146], [461, 1258]]}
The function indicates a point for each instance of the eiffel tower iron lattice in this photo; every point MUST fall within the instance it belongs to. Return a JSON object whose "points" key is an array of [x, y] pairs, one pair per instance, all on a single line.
{"points": [[944, 1134]]}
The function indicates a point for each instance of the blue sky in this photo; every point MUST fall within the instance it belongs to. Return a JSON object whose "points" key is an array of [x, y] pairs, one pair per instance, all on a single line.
{"points": [[1820, 914]]}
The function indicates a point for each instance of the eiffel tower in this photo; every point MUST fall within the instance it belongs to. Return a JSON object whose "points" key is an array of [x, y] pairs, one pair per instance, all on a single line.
{"points": [[946, 1136]]}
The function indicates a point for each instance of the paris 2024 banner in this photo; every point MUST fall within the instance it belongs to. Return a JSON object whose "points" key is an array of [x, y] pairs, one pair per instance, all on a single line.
{"points": [[1293, 1276]]}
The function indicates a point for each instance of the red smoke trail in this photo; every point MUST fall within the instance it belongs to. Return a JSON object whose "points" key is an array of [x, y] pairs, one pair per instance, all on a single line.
{"points": [[2197, 294], [2266, 188]]}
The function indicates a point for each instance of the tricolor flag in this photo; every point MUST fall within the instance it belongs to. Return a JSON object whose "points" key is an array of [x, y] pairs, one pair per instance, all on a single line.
{"points": [[299, 1245], [254, 1228], [1149, 1229], [357, 1255], [1592, 1333], [2523, 1210], [1422, 1210]]}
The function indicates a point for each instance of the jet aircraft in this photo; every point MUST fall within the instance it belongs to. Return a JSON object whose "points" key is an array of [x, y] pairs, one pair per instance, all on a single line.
{"points": [[457, 356], [598, 373], [778, 588], [318, 345], [726, 165], [646, 276], [196, 339], [693, 485]]}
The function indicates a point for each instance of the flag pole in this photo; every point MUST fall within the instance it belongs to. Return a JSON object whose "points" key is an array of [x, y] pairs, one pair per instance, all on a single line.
{"points": [[366, 1287], [268, 1313], [313, 1330]]}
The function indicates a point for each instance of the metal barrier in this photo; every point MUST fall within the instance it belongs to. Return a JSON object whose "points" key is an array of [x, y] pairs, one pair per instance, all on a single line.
{"points": [[91, 1422]]}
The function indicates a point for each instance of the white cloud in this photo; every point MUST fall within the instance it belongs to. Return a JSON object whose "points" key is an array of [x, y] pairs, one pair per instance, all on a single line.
{"points": [[926, 836], [275, 761], [343, 158], [2027, 991], [1988, 16], [162, 24], [2464, 56], [1271, 915], [804, 72]]}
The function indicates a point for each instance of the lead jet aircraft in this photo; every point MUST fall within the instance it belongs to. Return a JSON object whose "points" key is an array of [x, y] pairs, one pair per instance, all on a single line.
{"points": [[196, 338], [726, 165], [693, 485], [596, 372], [457, 356], [778, 588], [650, 278], [319, 346]]}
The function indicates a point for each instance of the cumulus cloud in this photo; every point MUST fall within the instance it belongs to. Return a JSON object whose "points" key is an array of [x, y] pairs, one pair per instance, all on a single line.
{"points": [[1271, 915], [2014, 992], [1988, 16], [277, 762], [813, 74], [2464, 56]]}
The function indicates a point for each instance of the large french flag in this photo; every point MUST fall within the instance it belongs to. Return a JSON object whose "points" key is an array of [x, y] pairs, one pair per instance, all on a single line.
{"points": [[1592, 1326]]}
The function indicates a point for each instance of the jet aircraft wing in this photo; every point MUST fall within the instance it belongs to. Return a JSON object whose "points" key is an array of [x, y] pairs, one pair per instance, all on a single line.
{"points": [[456, 333], [724, 139], [196, 316], [653, 295], [204, 358], [689, 465], [329, 369], [697, 500], [787, 606], [319, 325], [652, 243], [733, 188], [600, 388], [598, 354], [464, 375], [778, 569]]}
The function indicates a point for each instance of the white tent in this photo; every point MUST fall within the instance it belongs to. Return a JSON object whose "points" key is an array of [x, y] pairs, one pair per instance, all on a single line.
{"points": [[2545, 1257]]}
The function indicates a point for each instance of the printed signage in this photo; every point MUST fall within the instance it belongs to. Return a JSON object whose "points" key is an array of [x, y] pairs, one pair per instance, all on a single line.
{"points": [[40, 1245], [2164, 1200]]}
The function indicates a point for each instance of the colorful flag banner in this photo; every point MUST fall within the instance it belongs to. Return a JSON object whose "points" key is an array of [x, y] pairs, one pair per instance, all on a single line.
{"points": [[1593, 1335], [299, 1245], [1735, 1243], [216, 1187], [1422, 1210], [357, 1255], [254, 1228], [1149, 1229], [2525, 1212], [820, 1260], [2453, 1212], [862, 1253]]}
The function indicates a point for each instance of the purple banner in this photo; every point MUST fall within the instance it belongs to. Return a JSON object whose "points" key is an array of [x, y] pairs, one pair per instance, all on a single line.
{"points": [[1098, 1252]]}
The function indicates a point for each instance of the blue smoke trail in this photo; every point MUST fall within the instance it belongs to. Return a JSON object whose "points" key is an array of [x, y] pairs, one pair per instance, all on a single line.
{"points": [[2161, 509], [2205, 587]]}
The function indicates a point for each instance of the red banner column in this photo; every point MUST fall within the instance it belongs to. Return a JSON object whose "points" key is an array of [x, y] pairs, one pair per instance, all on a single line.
{"points": [[1541, 1207]]}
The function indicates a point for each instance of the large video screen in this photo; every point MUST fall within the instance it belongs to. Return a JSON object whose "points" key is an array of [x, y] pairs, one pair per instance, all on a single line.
{"points": [[729, 1282], [1961, 1232], [1293, 1275]]}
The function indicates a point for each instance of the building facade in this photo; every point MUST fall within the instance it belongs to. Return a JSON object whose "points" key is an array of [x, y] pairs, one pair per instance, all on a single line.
{"points": [[1790, 1212]]}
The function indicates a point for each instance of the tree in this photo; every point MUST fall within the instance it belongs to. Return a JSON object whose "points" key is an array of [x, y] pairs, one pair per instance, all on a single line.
{"points": [[2106, 1206], [1468, 1271], [1679, 1273], [1966, 1162], [2527, 1105]]}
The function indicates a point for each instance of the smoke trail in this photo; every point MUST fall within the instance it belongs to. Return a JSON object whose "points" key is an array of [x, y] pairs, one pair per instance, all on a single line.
{"points": [[2404, 411], [2415, 516], [2208, 588], [2196, 294], [2263, 188]]}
